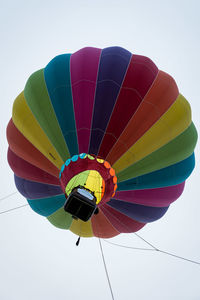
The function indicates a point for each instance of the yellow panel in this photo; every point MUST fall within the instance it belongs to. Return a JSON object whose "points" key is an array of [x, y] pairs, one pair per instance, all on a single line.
{"points": [[91, 180], [94, 184], [29, 127], [82, 228], [176, 119]]}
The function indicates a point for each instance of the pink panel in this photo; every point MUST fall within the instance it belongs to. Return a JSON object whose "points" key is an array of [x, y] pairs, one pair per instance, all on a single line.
{"points": [[84, 69], [160, 197]]}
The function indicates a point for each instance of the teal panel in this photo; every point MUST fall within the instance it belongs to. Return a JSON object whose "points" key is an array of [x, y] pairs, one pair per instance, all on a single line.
{"points": [[47, 206], [168, 176], [58, 82]]}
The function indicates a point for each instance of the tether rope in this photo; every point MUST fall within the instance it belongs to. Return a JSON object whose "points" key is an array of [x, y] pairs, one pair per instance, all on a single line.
{"points": [[5, 197], [154, 249], [106, 271], [11, 209], [114, 244]]}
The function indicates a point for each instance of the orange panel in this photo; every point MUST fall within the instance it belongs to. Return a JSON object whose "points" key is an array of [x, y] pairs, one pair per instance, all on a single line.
{"points": [[157, 101]]}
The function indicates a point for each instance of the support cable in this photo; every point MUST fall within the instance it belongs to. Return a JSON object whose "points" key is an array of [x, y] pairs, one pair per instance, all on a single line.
{"points": [[106, 271], [134, 248], [5, 197], [154, 249], [11, 209], [128, 247], [179, 257], [145, 241]]}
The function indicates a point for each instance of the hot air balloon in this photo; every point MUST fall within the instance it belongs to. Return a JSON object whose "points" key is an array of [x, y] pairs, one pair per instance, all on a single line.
{"points": [[101, 142]]}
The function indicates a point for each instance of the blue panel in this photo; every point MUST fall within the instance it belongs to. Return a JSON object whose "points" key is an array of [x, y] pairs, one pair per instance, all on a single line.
{"points": [[34, 190], [58, 82], [47, 206], [168, 176], [113, 64], [140, 213]]}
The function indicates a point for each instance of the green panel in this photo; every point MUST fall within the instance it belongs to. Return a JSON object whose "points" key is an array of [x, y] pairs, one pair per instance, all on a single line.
{"points": [[176, 150], [79, 179], [60, 219], [38, 100]]}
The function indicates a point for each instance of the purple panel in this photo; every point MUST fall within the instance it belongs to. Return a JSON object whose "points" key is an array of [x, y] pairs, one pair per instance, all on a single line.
{"points": [[139, 77], [121, 222], [160, 197], [36, 190], [84, 68], [140, 213], [113, 65]]}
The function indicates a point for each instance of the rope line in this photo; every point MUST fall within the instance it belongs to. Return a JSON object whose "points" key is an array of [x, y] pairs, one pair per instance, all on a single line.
{"points": [[180, 257], [106, 271], [5, 197], [128, 247], [154, 249], [103, 258], [11, 209], [145, 241]]}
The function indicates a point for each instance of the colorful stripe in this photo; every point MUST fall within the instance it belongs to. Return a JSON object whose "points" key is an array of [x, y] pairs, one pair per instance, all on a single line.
{"points": [[113, 65], [140, 213], [81, 228], [157, 101], [61, 219], [24, 149], [107, 120], [58, 81], [139, 77], [102, 227], [120, 221], [169, 126], [47, 206], [172, 153], [37, 98], [168, 176], [157, 197], [34, 190], [26, 123], [23, 169], [84, 69]]}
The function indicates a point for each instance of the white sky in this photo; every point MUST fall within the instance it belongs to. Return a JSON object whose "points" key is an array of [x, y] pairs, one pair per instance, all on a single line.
{"points": [[38, 261]]}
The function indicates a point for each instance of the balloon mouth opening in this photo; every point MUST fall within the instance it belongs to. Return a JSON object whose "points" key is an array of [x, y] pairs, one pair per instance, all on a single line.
{"points": [[87, 182], [81, 204]]}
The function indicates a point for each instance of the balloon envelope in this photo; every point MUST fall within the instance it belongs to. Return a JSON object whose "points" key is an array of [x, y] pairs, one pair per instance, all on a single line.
{"points": [[111, 122]]}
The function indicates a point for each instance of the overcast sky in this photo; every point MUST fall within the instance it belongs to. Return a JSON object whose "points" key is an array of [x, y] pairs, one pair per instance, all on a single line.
{"points": [[39, 261]]}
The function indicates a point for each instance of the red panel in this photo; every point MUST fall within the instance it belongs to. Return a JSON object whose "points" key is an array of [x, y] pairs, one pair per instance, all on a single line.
{"points": [[101, 227], [121, 222], [157, 101], [24, 149], [25, 170], [139, 77]]}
